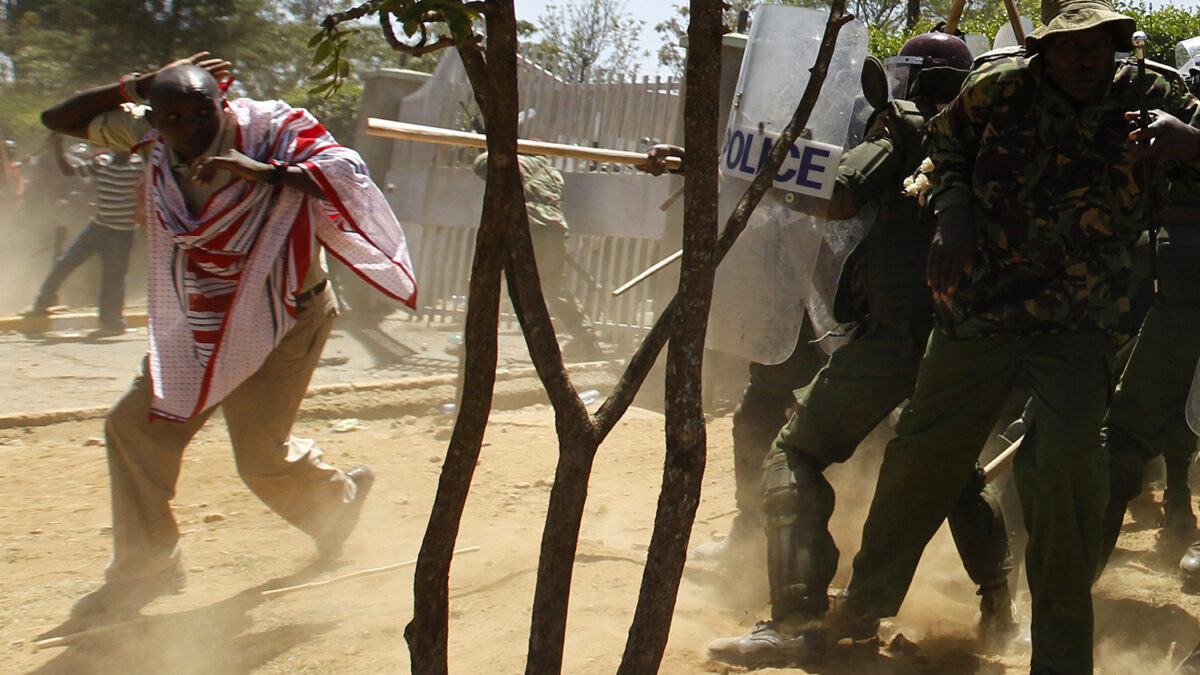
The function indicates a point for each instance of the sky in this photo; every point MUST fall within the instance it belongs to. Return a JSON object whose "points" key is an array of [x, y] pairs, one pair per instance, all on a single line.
{"points": [[648, 11]]}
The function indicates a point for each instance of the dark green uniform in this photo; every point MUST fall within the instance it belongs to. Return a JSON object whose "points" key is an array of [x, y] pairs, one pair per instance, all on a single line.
{"points": [[1146, 418], [763, 409], [868, 377], [1051, 187]]}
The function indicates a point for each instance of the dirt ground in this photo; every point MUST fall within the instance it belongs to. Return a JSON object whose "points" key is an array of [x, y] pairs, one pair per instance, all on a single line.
{"points": [[54, 528]]}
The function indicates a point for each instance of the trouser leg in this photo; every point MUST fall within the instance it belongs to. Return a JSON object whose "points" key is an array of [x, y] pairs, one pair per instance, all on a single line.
{"points": [[77, 253], [1062, 475], [981, 534], [286, 472], [144, 456], [114, 264], [862, 383], [960, 387], [760, 415], [1147, 413], [550, 252]]}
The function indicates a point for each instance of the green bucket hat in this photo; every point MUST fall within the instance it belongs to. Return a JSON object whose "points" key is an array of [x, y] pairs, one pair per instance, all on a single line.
{"points": [[1068, 16]]}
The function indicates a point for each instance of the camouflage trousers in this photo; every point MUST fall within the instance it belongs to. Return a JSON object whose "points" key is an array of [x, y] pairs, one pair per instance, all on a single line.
{"points": [[550, 252], [861, 385], [1061, 475]]}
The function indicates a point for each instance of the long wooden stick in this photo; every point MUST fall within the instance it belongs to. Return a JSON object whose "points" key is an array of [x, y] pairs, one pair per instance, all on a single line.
{"points": [[427, 134], [1014, 18], [648, 272], [1001, 462], [954, 17], [69, 638]]}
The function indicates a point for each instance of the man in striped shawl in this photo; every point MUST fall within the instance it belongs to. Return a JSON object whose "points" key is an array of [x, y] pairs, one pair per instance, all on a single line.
{"points": [[242, 197], [108, 235]]}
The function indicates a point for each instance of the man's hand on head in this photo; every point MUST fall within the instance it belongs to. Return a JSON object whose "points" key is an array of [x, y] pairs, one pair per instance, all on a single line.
{"points": [[1166, 138], [220, 69], [952, 252]]}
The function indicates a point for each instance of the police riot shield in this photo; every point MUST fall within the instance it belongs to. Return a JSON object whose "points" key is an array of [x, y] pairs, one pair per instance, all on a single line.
{"points": [[1192, 410], [761, 285]]}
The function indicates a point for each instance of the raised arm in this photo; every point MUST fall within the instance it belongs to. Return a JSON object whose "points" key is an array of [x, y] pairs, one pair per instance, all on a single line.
{"points": [[73, 115]]}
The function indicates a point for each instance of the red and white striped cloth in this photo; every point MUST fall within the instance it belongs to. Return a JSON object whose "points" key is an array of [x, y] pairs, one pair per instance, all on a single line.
{"points": [[221, 283]]}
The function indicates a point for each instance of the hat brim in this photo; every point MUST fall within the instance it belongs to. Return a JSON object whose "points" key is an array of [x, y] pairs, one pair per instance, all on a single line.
{"points": [[1073, 21]]}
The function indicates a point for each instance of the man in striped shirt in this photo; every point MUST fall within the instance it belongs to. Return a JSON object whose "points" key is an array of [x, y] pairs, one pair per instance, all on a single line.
{"points": [[107, 235]]}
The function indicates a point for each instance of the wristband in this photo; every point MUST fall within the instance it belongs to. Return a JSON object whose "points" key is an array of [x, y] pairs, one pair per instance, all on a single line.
{"points": [[127, 87], [278, 171]]}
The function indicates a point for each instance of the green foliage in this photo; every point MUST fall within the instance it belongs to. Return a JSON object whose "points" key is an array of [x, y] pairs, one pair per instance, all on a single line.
{"points": [[59, 46], [1165, 27], [590, 39]]}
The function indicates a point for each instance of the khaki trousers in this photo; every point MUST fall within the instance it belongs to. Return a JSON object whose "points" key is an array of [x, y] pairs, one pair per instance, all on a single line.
{"points": [[285, 472]]}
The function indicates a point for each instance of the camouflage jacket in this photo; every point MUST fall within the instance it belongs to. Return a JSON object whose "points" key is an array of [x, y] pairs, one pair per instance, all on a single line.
{"points": [[543, 192], [1057, 197]]}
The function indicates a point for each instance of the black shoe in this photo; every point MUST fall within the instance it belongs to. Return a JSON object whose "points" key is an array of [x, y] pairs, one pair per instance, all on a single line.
{"points": [[117, 598], [329, 544], [766, 646], [1189, 568]]}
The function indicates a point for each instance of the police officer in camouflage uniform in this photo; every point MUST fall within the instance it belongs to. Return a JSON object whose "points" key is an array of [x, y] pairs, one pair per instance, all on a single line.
{"points": [[548, 229], [760, 413], [1146, 418], [1037, 187], [868, 377]]}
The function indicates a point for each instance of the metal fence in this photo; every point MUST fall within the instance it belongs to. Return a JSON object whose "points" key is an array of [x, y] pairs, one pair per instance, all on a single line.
{"points": [[617, 216]]}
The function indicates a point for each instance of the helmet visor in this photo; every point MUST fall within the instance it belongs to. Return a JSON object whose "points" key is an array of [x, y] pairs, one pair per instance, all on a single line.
{"points": [[901, 71]]}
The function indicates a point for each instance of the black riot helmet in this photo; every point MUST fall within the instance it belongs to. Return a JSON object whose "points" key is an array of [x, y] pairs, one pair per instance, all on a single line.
{"points": [[927, 50]]}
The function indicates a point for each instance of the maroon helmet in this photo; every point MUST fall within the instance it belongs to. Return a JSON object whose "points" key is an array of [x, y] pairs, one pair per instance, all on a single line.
{"points": [[927, 50]]}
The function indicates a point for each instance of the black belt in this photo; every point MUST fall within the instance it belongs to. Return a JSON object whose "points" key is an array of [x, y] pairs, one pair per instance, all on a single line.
{"points": [[312, 292]]}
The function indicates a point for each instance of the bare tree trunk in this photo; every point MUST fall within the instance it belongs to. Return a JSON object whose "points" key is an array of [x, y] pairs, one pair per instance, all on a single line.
{"points": [[497, 96], [912, 14], [684, 467], [683, 470]]}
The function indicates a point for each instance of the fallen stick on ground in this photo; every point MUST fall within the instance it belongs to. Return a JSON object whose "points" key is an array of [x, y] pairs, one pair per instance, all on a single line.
{"points": [[276, 592], [69, 638]]}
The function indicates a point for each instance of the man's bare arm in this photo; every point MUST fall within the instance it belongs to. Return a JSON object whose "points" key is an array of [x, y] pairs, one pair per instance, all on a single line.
{"points": [[73, 115]]}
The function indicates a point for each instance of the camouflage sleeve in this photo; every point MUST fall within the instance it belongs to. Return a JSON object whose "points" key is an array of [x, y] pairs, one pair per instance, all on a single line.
{"points": [[954, 135], [867, 170]]}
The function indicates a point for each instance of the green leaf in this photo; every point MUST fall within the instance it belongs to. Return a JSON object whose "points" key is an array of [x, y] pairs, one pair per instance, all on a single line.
{"points": [[343, 69], [325, 72], [316, 39], [322, 52], [321, 88]]}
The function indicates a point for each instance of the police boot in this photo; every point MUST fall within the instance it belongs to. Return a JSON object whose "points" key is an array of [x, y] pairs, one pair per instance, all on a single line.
{"points": [[1178, 518], [1189, 568], [997, 614], [766, 646], [801, 555], [745, 535]]}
